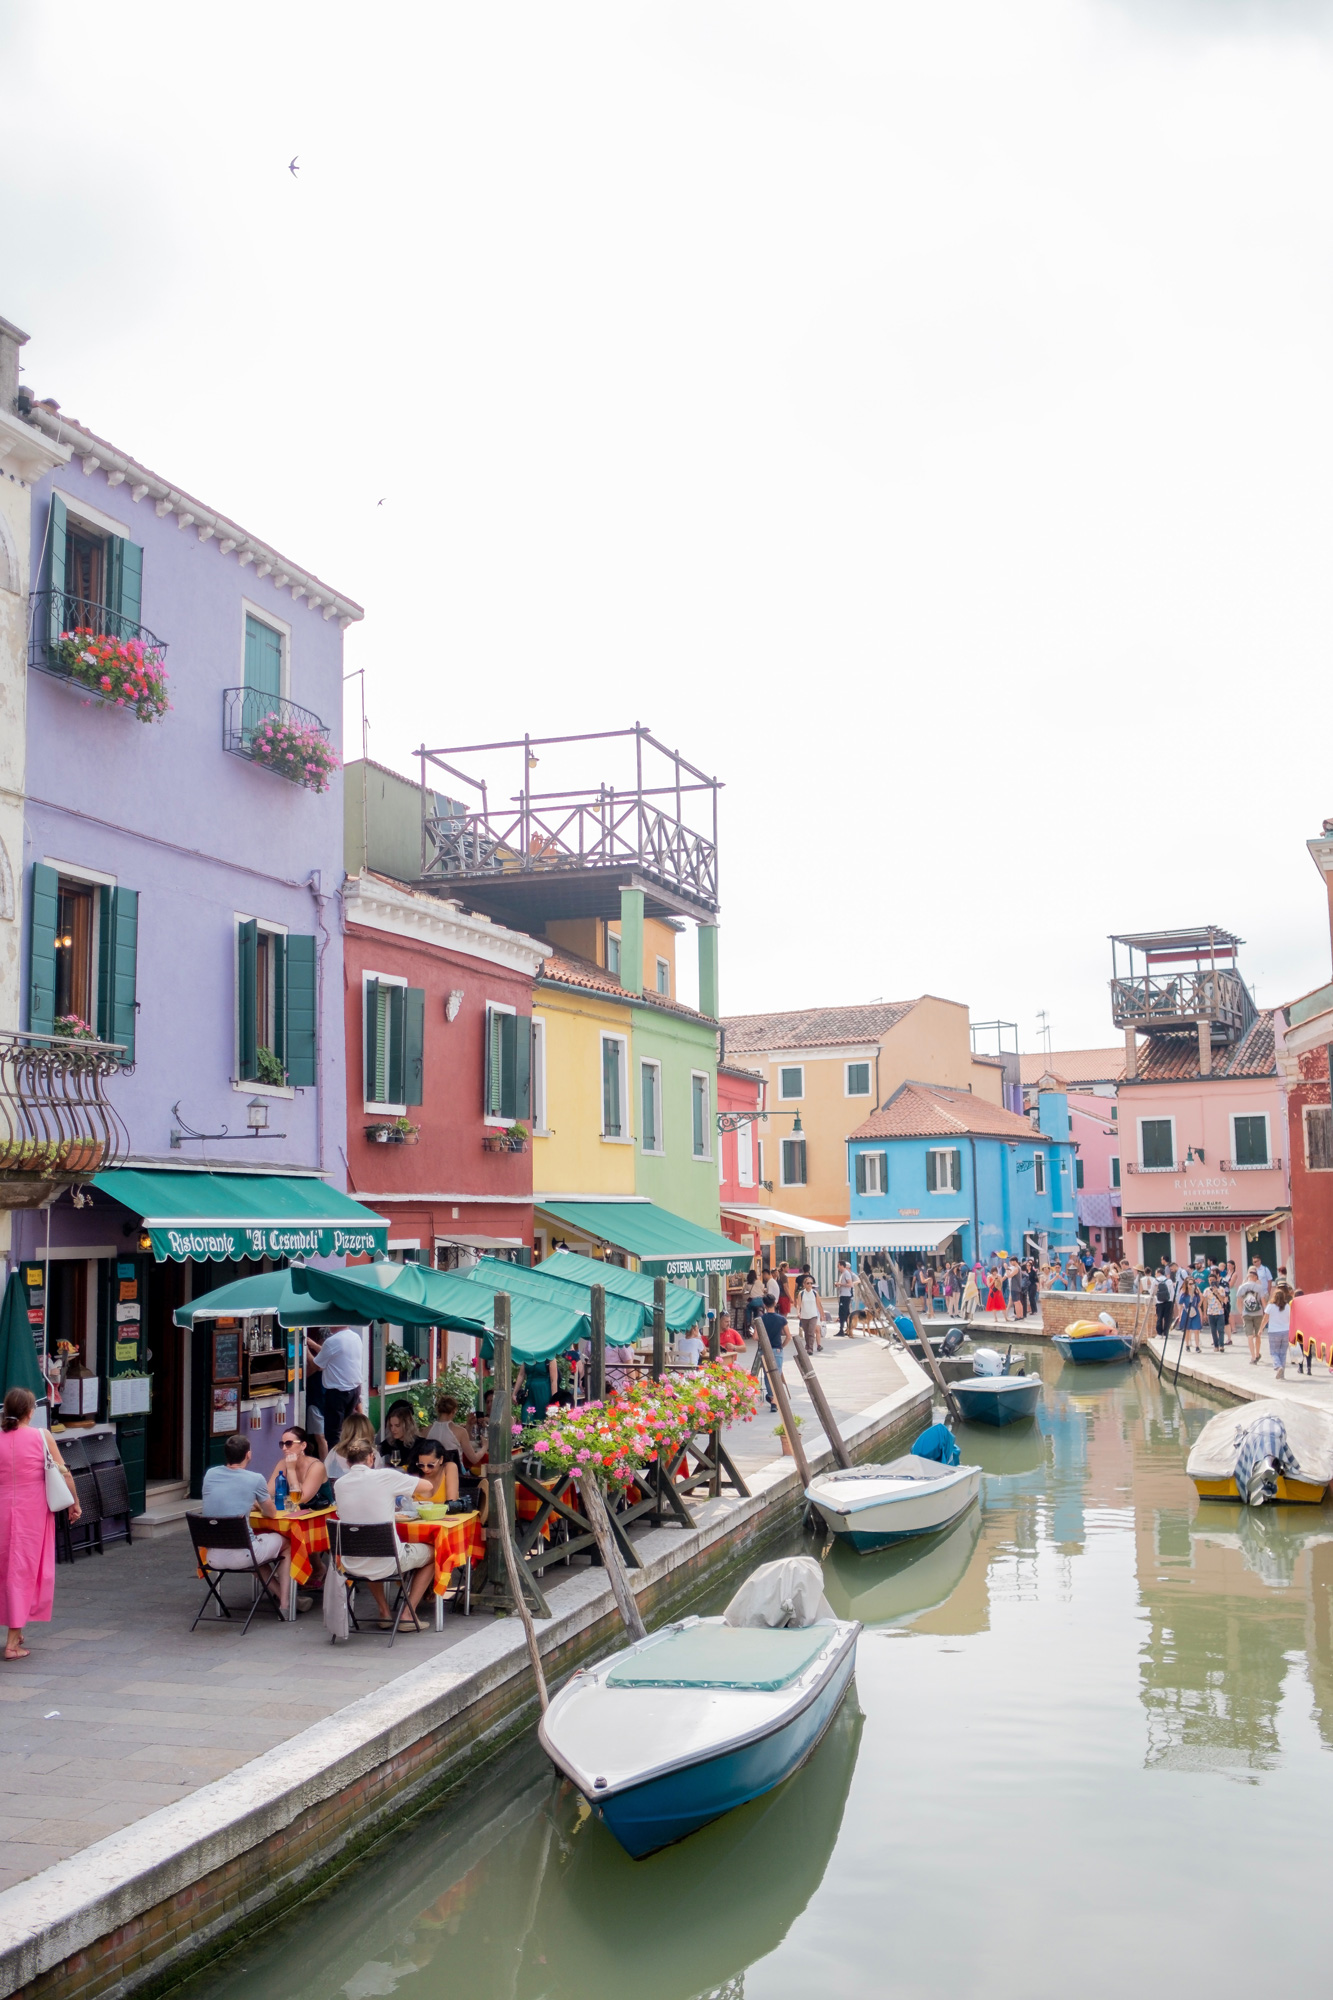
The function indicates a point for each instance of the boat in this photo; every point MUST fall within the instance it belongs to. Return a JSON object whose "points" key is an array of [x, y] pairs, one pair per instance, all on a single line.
{"points": [[991, 1395], [874, 1506], [1263, 1452], [676, 1730], [1091, 1340]]}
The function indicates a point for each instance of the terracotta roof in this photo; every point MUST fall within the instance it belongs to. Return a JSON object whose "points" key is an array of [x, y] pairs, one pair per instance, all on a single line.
{"points": [[1076, 1065], [566, 968], [937, 1111], [1172, 1058], [739, 1069], [814, 1027]]}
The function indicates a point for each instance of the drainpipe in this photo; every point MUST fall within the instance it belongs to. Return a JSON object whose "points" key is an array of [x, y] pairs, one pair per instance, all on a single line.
{"points": [[314, 886], [976, 1222]]}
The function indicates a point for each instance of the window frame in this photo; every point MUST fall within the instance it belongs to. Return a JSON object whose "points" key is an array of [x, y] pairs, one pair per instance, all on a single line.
{"points": [[664, 966], [537, 1078], [879, 1156], [952, 1154], [621, 1138], [698, 1076], [783, 1181], [1168, 1120], [1038, 1172], [497, 1120], [789, 1096], [613, 938], [847, 1069], [1325, 1111], [647, 1063], [373, 1107], [1080, 1172], [1251, 1166], [263, 616], [745, 1155], [251, 1086], [1115, 1170]]}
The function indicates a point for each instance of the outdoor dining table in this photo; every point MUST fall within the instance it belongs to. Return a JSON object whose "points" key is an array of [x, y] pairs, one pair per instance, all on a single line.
{"points": [[460, 1538]]}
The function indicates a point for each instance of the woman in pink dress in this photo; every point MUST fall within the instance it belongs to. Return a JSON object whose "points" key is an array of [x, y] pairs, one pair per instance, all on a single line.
{"points": [[27, 1525]]}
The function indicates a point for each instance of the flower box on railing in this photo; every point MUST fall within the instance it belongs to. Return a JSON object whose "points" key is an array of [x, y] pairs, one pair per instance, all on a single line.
{"points": [[110, 658], [277, 734]]}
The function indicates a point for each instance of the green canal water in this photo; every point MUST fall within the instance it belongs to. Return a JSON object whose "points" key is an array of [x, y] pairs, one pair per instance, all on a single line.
{"points": [[1086, 1754]]}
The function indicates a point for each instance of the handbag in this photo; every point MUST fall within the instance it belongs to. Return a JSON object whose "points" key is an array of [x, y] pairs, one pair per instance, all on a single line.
{"points": [[58, 1495]]}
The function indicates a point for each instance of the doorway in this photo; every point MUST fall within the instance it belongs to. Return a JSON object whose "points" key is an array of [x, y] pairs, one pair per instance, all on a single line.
{"points": [[1213, 1250], [164, 1287], [1261, 1248]]}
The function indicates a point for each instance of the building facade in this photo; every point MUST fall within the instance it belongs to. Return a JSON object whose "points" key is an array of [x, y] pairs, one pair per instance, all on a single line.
{"points": [[1303, 1036]]}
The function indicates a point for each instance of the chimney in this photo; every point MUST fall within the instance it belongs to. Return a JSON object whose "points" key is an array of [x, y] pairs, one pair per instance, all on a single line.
{"points": [[11, 339], [1205, 1048], [1131, 1055]]}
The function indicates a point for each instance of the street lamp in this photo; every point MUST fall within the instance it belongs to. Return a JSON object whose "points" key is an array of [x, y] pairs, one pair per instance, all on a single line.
{"points": [[256, 1115]]}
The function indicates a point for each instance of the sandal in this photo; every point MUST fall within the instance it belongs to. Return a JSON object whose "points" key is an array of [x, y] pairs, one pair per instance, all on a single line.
{"points": [[19, 1653]]}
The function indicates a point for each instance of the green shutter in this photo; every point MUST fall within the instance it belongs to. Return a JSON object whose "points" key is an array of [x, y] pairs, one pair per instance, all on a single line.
{"points": [[957, 1175], [396, 1077], [263, 656], [301, 1021], [247, 971], [610, 1088], [57, 530], [508, 1065], [860, 1173], [124, 581], [370, 1001], [491, 1098], [277, 945], [1078, 1173], [414, 1043], [124, 955], [522, 1066], [42, 950], [932, 1162]]}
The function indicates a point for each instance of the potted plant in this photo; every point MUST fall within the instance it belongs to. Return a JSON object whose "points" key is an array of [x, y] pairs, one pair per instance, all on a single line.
{"points": [[516, 1139], [296, 750], [124, 673], [780, 1431], [404, 1132], [397, 1363], [72, 1028], [495, 1142]]}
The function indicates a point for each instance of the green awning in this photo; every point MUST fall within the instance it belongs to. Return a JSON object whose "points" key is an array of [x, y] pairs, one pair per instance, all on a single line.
{"points": [[684, 1308], [626, 1319], [218, 1218], [666, 1245], [267, 1292], [414, 1295]]}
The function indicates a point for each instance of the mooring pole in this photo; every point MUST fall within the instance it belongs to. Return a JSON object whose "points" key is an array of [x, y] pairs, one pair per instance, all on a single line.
{"points": [[500, 1443], [659, 1328], [597, 1364], [816, 1392], [594, 1506], [716, 1294], [779, 1389]]}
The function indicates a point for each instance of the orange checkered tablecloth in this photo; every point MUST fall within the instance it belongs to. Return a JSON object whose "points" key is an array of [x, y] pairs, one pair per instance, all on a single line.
{"points": [[459, 1539]]}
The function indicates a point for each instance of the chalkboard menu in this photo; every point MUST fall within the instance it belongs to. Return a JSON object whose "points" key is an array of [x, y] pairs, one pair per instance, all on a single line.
{"points": [[226, 1353]]}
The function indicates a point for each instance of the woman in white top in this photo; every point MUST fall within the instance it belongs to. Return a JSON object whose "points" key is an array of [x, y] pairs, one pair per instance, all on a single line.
{"points": [[807, 1305], [1277, 1318]]}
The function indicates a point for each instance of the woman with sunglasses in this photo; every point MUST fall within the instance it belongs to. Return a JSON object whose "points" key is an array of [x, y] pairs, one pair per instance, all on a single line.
{"points": [[307, 1480]]}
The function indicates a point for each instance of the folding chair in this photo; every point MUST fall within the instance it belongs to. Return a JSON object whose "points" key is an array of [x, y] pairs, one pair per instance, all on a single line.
{"points": [[211, 1533], [376, 1542], [113, 1493]]}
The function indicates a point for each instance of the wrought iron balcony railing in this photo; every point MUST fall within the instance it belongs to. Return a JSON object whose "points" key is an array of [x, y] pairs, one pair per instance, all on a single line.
{"points": [[56, 1126], [1159, 1003], [277, 734], [57, 619]]}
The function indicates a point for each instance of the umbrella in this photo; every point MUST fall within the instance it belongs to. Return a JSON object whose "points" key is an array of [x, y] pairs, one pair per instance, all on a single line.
{"points": [[269, 1291], [414, 1295], [19, 1368]]}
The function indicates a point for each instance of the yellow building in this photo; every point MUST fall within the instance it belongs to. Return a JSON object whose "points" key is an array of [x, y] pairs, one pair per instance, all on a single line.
{"points": [[833, 1066]]}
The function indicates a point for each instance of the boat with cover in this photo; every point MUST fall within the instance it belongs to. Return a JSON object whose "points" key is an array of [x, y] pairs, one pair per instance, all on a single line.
{"points": [[1092, 1340], [991, 1395], [874, 1506], [671, 1733], [1264, 1452]]}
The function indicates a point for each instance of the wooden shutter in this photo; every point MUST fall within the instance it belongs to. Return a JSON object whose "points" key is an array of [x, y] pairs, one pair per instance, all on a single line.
{"points": [[300, 1055], [883, 1159], [247, 964], [522, 1066], [42, 949], [932, 1171], [124, 584], [860, 1173], [611, 1120], [121, 954], [414, 1044], [394, 1024], [491, 1090], [57, 529], [955, 1170], [370, 991]]}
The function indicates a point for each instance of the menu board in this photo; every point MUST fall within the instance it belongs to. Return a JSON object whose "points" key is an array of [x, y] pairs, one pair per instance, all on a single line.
{"points": [[226, 1354], [226, 1410]]}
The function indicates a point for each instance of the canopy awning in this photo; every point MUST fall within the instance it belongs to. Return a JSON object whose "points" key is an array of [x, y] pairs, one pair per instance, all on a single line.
{"points": [[268, 1292], [920, 1235], [684, 1308], [778, 1218], [626, 1319], [666, 1245], [414, 1295], [218, 1218]]}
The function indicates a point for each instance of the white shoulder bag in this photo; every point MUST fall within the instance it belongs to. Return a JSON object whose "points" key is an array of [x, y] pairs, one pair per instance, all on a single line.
{"points": [[58, 1495]]}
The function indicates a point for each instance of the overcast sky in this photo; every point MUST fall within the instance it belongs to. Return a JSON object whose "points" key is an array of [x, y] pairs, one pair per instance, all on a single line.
{"points": [[921, 415]]}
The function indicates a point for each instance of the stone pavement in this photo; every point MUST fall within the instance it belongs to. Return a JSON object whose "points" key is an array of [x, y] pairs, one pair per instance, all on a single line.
{"points": [[121, 1709], [1232, 1371]]}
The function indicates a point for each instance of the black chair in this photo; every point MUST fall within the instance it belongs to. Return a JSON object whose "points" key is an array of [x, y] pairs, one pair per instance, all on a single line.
{"points": [[113, 1496], [210, 1533], [376, 1541]]}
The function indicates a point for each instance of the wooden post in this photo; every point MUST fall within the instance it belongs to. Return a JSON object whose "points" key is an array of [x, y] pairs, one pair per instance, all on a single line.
{"points": [[594, 1506], [500, 1444], [779, 1389], [716, 1297], [927, 1351], [820, 1400], [516, 1592], [659, 1328], [597, 1365]]}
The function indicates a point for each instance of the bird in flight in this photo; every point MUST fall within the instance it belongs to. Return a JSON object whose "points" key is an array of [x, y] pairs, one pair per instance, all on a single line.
{"points": [[380, 503], [292, 168]]}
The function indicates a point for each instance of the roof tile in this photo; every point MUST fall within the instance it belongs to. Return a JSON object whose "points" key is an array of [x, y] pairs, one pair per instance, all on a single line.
{"points": [[813, 1027], [566, 968], [1175, 1058], [938, 1111], [1076, 1065]]}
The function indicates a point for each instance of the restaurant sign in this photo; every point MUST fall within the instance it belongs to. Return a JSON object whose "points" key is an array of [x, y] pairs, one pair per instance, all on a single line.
{"points": [[694, 1267], [223, 1242]]}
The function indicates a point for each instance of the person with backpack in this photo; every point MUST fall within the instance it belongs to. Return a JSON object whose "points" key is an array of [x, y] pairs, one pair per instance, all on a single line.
{"points": [[1190, 1316], [1277, 1314], [1164, 1298], [1215, 1306], [1250, 1299]]}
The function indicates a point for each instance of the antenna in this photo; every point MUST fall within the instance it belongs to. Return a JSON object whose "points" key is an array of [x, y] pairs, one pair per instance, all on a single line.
{"points": [[1044, 1029]]}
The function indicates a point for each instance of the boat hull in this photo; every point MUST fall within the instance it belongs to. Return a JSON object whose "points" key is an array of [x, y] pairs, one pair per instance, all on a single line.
{"points": [[664, 1809], [1095, 1347], [998, 1399], [888, 1522], [1301, 1491]]}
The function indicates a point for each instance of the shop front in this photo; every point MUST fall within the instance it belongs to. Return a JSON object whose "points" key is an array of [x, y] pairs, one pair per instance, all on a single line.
{"points": [[638, 1233], [1217, 1238]]}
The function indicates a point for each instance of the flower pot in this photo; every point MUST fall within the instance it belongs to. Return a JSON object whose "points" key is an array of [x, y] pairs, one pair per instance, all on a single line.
{"points": [[785, 1442], [391, 1378]]}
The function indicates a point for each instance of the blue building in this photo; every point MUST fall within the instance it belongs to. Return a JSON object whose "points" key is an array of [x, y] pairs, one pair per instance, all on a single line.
{"points": [[940, 1171]]}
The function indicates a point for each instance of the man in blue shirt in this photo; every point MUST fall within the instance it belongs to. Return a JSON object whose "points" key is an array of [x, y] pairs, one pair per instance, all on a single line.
{"points": [[233, 1491], [775, 1326]]}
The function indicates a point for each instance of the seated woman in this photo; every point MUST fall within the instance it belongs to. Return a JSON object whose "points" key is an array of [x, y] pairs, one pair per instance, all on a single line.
{"points": [[357, 1430], [439, 1467], [452, 1432], [399, 1445], [307, 1478]]}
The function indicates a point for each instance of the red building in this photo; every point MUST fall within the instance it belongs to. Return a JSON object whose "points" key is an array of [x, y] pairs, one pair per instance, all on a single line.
{"points": [[740, 1152], [1305, 1031], [438, 1013]]}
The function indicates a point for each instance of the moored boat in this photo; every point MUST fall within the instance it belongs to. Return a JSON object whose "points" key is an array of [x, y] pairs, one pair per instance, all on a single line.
{"points": [[991, 1395], [1264, 1452], [671, 1733], [874, 1506], [1093, 1340]]}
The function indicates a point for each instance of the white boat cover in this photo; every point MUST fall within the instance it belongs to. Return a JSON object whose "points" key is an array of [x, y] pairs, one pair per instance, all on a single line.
{"points": [[1309, 1434], [787, 1592], [927, 1470]]}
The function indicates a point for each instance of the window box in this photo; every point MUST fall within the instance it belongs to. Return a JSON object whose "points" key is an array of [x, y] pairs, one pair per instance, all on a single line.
{"points": [[108, 657], [279, 736], [494, 1142], [399, 1133]]}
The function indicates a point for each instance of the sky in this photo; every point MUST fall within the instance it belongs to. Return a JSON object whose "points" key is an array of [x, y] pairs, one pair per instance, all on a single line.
{"points": [[920, 416]]}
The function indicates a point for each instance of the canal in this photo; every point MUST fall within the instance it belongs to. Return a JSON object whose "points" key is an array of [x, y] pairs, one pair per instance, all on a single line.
{"points": [[1084, 1754]]}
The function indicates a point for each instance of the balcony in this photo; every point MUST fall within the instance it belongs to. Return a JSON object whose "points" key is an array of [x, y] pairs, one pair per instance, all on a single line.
{"points": [[105, 656], [292, 742], [56, 1127], [1157, 1003]]}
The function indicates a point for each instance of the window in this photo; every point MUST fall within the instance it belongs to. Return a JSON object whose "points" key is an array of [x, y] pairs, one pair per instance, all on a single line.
{"points": [[538, 1074], [394, 1020], [650, 1122], [793, 1163], [1157, 1144], [700, 1121], [759, 1163], [1039, 1173], [613, 952], [745, 1156], [95, 575], [664, 976], [858, 1079], [1250, 1141], [872, 1173], [1115, 1170], [263, 666], [83, 955], [275, 1006], [1319, 1138], [1078, 1173], [613, 1087], [508, 1064], [791, 1082], [944, 1170], [1115, 1113]]}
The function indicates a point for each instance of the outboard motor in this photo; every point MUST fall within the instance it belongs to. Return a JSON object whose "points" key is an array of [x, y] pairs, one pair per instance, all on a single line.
{"points": [[953, 1340], [986, 1361]]}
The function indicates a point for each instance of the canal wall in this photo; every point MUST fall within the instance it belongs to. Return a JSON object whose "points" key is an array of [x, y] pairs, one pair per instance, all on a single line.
{"points": [[136, 1912]]}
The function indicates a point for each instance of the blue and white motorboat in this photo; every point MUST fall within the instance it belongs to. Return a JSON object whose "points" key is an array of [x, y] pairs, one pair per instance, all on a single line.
{"points": [[874, 1506], [671, 1733], [991, 1395], [1092, 1347]]}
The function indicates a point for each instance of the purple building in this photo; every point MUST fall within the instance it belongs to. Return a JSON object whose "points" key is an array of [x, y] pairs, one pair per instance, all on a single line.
{"points": [[181, 897]]}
